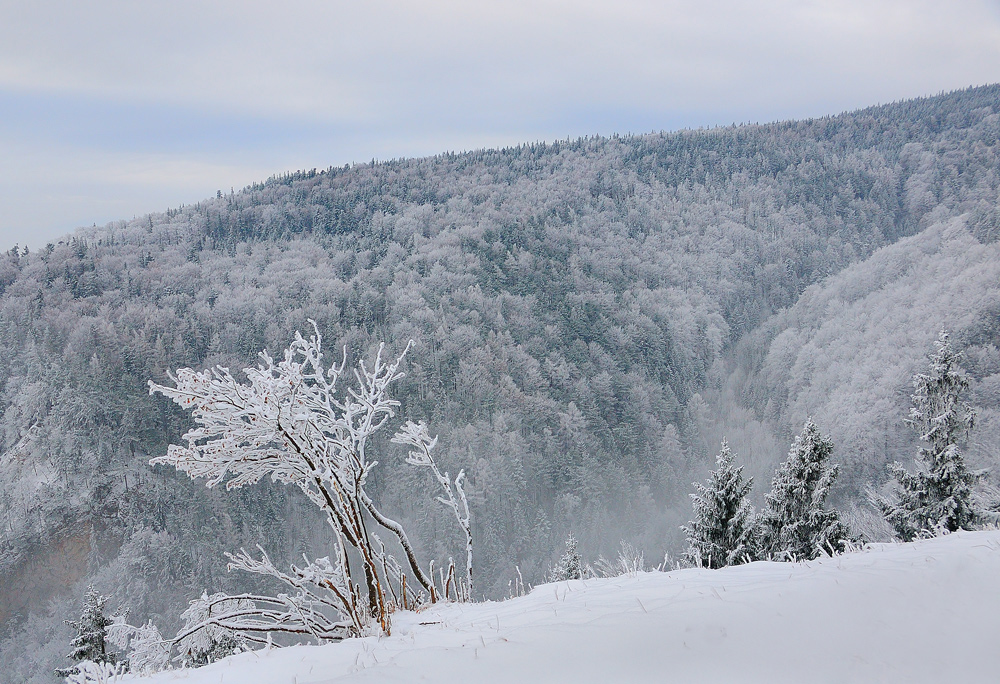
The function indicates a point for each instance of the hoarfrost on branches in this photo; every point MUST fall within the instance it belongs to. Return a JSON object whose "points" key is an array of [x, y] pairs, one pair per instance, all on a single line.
{"points": [[301, 422], [630, 561], [208, 633], [416, 435], [90, 672], [148, 651]]}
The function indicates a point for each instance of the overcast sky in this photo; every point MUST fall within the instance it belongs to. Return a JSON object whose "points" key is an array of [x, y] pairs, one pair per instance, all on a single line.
{"points": [[110, 109]]}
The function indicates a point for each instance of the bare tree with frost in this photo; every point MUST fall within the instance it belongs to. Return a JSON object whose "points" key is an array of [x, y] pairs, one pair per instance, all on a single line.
{"points": [[301, 422]]}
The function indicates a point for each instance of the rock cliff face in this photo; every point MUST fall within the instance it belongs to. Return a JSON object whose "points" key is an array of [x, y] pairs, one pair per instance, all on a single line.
{"points": [[44, 571]]}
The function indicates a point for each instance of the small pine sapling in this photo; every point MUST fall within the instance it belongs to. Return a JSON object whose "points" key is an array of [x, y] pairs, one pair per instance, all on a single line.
{"points": [[723, 530], [90, 643], [795, 523], [940, 494], [569, 565]]}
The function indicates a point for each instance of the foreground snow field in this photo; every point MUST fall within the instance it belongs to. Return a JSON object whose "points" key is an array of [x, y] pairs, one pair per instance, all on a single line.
{"points": [[922, 612]]}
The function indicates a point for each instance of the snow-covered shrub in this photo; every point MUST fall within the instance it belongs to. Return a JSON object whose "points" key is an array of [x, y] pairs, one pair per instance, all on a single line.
{"points": [[90, 672], [865, 523], [148, 651], [723, 530], [630, 561]]}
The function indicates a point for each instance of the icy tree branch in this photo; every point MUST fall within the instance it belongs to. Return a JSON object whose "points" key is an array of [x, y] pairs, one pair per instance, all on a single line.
{"points": [[300, 422], [415, 435]]}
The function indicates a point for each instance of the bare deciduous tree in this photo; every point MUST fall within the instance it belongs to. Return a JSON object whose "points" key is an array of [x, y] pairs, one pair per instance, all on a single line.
{"points": [[297, 423]]}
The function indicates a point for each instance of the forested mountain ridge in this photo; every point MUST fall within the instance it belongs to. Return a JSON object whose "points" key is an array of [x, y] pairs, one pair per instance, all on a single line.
{"points": [[573, 304]]}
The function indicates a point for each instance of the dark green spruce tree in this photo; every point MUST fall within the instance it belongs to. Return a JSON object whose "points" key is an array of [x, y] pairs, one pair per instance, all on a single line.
{"points": [[795, 523], [722, 532], [939, 495]]}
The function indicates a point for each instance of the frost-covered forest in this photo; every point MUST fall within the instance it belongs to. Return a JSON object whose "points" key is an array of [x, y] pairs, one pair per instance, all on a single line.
{"points": [[590, 319]]}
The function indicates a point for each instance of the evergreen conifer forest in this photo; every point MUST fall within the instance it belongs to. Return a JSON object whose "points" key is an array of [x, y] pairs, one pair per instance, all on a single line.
{"points": [[590, 320]]}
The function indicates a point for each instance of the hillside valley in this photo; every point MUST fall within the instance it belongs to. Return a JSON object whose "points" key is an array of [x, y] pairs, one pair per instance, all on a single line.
{"points": [[590, 319]]}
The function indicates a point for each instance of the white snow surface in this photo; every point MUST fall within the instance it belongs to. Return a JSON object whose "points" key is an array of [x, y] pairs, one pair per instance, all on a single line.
{"points": [[927, 611]]}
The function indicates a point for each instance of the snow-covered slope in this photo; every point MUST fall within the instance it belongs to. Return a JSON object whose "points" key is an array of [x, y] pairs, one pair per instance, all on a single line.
{"points": [[922, 612]]}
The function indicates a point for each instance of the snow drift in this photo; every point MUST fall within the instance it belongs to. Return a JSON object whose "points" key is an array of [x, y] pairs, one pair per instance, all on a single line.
{"points": [[927, 611]]}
